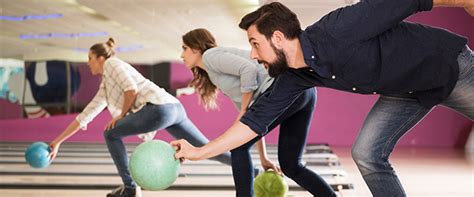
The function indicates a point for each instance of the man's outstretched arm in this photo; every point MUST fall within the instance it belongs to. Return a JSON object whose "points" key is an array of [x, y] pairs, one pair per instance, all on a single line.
{"points": [[449, 3], [369, 18], [234, 137], [266, 109]]}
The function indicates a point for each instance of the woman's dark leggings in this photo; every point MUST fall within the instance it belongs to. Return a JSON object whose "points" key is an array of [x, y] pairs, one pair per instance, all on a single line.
{"points": [[294, 126]]}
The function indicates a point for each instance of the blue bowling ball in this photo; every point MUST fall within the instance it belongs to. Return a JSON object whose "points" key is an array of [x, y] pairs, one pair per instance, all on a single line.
{"points": [[36, 155]]}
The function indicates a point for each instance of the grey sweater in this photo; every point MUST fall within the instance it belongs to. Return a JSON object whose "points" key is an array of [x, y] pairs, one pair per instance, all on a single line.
{"points": [[234, 72]]}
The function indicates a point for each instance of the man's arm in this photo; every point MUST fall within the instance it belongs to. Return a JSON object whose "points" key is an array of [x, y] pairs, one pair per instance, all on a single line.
{"points": [[369, 18], [449, 3], [266, 109], [234, 137]]}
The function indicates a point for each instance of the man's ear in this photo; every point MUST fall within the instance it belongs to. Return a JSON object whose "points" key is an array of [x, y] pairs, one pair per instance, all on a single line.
{"points": [[278, 38]]}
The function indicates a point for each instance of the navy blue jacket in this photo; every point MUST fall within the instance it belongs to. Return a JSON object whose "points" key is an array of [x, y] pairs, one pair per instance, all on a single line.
{"points": [[366, 48]]}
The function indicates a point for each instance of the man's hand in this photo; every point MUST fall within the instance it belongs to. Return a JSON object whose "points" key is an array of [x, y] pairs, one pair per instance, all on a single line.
{"points": [[184, 150], [469, 7]]}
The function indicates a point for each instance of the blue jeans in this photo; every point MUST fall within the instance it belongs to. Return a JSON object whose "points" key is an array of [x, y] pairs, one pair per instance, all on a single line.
{"points": [[171, 117], [391, 117], [294, 126]]}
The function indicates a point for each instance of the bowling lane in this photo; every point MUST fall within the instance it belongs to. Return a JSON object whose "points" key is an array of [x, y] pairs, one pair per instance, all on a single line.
{"points": [[95, 170], [101, 193]]}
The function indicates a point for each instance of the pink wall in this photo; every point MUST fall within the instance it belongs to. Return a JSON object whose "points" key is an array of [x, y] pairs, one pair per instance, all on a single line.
{"points": [[88, 87], [46, 129], [9, 110], [337, 119], [180, 75]]}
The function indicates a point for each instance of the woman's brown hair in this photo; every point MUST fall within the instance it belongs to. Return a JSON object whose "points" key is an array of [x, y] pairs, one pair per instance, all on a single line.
{"points": [[202, 40], [105, 50]]}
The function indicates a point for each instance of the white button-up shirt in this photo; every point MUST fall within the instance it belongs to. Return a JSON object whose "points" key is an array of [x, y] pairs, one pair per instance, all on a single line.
{"points": [[118, 77]]}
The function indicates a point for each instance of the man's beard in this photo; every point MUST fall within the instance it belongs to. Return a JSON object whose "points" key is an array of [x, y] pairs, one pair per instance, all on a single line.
{"points": [[280, 65]]}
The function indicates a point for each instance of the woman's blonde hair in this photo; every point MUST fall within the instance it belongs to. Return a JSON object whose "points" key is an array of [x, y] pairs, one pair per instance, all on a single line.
{"points": [[105, 50], [202, 40]]}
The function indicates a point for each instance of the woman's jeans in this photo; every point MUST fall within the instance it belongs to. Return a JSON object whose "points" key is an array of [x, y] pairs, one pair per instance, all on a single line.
{"points": [[294, 126], [171, 117], [392, 117]]}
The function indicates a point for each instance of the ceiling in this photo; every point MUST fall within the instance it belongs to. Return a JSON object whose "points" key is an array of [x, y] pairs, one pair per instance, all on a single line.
{"points": [[152, 29]]}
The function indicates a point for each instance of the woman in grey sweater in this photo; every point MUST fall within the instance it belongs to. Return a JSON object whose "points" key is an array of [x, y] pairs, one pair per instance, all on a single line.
{"points": [[241, 79]]}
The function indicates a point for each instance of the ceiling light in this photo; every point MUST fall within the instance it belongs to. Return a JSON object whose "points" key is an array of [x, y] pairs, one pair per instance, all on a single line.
{"points": [[63, 35], [118, 49], [30, 17]]}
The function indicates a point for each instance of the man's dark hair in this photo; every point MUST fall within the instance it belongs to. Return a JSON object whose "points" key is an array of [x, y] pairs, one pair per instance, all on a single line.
{"points": [[271, 17]]}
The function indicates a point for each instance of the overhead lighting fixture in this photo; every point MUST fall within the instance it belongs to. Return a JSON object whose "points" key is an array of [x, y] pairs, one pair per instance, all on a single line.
{"points": [[30, 17], [118, 49], [63, 35], [81, 50], [250, 2], [129, 48]]}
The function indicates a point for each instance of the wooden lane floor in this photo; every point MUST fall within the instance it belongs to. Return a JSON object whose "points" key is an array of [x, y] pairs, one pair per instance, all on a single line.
{"points": [[100, 147], [110, 170], [109, 182], [424, 172], [65, 158], [82, 170], [102, 192], [108, 161], [75, 152]]}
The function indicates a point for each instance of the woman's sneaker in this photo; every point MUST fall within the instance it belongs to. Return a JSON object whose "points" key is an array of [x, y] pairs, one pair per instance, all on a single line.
{"points": [[123, 191]]}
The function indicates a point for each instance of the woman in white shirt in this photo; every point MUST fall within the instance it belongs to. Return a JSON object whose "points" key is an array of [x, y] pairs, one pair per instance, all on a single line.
{"points": [[241, 79], [137, 106]]}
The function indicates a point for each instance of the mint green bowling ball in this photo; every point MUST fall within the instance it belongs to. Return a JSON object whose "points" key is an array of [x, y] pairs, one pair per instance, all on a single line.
{"points": [[270, 184], [153, 166]]}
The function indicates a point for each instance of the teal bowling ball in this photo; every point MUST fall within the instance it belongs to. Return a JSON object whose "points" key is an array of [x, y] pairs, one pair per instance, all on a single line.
{"points": [[36, 155], [153, 166], [270, 184]]}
